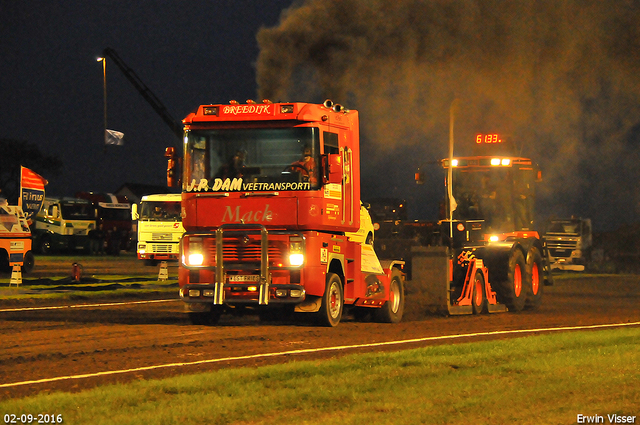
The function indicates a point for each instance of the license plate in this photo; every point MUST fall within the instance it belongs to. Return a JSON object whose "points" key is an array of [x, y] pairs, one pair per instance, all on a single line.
{"points": [[244, 278]]}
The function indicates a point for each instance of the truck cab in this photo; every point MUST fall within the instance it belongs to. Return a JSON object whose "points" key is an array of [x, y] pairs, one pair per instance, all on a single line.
{"points": [[160, 227], [570, 242], [63, 224]]}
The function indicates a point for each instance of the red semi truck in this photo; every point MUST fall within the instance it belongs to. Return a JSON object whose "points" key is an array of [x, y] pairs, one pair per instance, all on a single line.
{"points": [[113, 213], [273, 217]]}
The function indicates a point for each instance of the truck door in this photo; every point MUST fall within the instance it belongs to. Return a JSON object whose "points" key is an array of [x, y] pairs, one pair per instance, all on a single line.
{"points": [[343, 195]]}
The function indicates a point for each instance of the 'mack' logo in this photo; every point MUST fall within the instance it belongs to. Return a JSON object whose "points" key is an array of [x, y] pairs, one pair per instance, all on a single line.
{"points": [[236, 216]]}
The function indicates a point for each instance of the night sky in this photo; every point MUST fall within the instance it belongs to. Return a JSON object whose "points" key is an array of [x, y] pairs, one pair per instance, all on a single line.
{"points": [[51, 86], [560, 78]]}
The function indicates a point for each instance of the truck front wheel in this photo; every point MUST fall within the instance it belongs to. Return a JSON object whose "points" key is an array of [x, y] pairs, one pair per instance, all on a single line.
{"points": [[330, 312], [45, 246]]}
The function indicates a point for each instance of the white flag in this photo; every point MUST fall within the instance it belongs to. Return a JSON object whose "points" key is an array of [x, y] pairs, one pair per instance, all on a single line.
{"points": [[113, 137]]}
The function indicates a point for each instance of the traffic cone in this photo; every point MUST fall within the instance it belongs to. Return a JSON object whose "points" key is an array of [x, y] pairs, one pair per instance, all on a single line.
{"points": [[16, 275], [164, 271]]}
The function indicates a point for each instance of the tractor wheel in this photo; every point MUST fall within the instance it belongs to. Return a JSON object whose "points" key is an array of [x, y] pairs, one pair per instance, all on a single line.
{"points": [[330, 312], [513, 290], [28, 262], [478, 296], [534, 279], [392, 310]]}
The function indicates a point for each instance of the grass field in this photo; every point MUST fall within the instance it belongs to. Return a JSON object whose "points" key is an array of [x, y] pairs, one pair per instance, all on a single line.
{"points": [[544, 379]]}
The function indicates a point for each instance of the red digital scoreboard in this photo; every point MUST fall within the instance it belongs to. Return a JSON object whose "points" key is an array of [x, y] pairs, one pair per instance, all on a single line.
{"points": [[482, 139]]}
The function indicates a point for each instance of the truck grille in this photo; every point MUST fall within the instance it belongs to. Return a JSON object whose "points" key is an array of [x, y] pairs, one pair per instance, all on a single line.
{"points": [[562, 248], [235, 250], [161, 236], [161, 248]]}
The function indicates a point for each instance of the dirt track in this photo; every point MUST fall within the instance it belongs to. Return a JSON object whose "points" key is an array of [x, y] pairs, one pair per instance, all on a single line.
{"points": [[41, 344]]}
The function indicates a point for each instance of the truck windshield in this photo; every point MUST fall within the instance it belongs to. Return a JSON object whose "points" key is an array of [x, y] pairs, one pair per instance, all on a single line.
{"points": [[503, 197], [115, 214], [257, 159], [160, 211], [564, 227], [77, 211]]}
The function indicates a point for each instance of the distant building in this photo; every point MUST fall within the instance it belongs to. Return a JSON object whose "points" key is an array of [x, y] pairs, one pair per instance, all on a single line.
{"points": [[135, 191]]}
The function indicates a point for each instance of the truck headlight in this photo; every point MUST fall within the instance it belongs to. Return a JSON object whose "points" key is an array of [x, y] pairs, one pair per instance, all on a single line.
{"points": [[296, 251], [296, 259], [196, 259], [194, 252]]}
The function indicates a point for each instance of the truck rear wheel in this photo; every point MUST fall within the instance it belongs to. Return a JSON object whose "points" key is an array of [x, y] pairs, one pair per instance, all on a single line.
{"points": [[392, 310], [330, 312], [513, 291], [534, 279], [478, 296]]}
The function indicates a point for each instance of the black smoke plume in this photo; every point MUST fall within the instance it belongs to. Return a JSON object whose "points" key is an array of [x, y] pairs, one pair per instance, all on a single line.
{"points": [[559, 78]]}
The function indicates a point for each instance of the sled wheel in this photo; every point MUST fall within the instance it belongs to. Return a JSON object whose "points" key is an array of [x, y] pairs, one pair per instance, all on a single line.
{"points": [[514, 292], [478, 297], [534, 279], [330, 312], [393, 309]]}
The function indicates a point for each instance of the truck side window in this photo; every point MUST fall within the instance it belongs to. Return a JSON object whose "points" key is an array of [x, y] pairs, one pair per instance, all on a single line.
{"points": [[330, 142]]}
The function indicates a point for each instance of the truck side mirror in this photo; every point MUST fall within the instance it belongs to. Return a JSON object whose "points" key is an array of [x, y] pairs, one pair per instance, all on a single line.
{"points": [[134, 212], [54, 211], [173, 167], [332, 168]]}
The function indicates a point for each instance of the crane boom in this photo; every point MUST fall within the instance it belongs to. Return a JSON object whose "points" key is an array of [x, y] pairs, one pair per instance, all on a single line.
{"points": [[176, 126]]}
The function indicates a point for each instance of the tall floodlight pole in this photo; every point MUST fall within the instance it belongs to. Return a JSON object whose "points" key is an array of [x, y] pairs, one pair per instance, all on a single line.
{"points": [[452, 202], [104, 88]]}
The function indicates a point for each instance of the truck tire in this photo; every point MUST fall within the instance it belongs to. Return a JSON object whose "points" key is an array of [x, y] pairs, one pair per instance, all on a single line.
{"points": [[513, 292], [28, 262], [534, 279], [478, 295], [4, 261], [44, 245], [330, 312], [392, 310]]}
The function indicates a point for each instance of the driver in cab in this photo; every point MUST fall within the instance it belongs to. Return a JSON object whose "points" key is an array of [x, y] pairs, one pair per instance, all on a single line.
{"points": [[306, 166]]}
